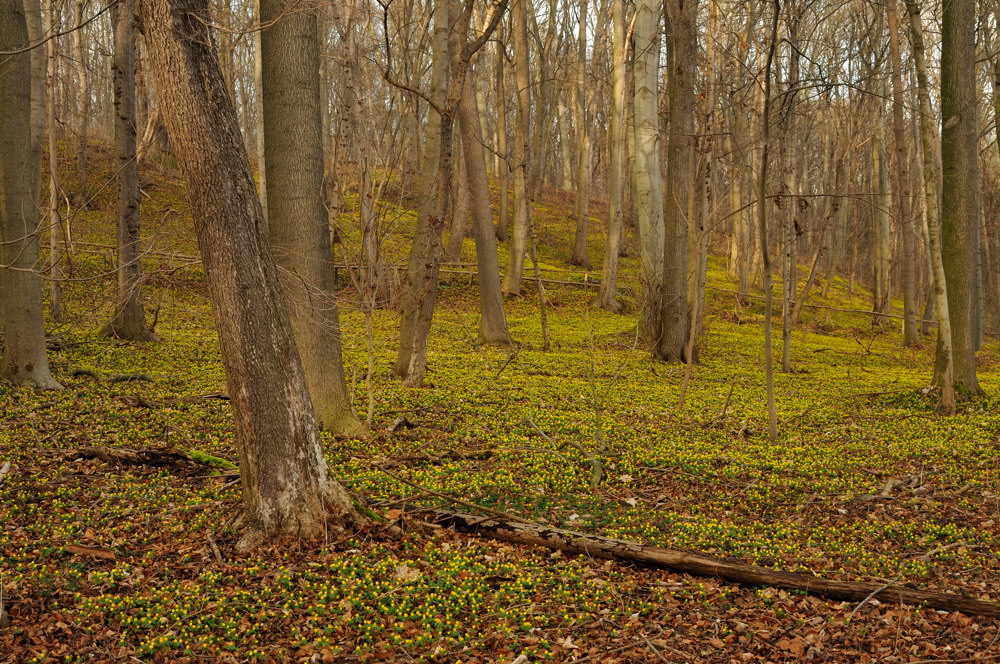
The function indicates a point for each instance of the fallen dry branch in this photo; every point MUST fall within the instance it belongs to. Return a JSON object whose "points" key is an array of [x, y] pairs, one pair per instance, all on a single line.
{"points": [[700, 564]]}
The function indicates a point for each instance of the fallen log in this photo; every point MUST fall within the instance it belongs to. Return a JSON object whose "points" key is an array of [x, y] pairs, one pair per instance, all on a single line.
{"points": [[156, 458], [700, 564]]}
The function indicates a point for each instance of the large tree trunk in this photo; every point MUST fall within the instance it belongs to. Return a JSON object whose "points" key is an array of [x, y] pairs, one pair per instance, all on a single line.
{"points": [[287, 488], [493, 320], [944, 366], [960, 186], [129, 321], [648, 177], [300, 233], [24, 358], [682, 51]]}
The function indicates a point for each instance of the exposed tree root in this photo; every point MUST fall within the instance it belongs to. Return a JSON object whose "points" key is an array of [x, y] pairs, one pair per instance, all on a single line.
{"points": [[700, 564]]}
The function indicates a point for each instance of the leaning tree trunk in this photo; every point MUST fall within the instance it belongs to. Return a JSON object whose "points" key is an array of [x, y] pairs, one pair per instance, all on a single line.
{"points": [[493, 320], [960, 185], [944, 368], [300, 233], [129, 320], [24, 358], [287, 488], [420, 287]]}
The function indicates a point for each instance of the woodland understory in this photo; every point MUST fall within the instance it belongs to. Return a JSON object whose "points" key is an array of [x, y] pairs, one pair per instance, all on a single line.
{"points": [[103, 561]]}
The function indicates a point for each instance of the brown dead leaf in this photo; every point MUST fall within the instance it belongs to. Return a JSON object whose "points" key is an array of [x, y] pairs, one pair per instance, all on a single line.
{"points": [[93, 552]]}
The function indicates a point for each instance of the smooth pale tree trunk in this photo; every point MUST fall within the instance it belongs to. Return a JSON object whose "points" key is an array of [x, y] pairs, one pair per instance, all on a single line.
{"points": [[960, 205], [903, 193], [287, 487], [583, 100], [880, 220], [647, 173], [129, 321], [83, 106], [299, 230], [944, 368], [607, 296], [458, 210], [503, 214], [493, 320], [24, 359], [258, 107], [682, 51], [522, 206], [55, 224]]}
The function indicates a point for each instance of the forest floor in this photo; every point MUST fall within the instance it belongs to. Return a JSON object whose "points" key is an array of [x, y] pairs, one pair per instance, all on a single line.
{"points": [[101, 562]]}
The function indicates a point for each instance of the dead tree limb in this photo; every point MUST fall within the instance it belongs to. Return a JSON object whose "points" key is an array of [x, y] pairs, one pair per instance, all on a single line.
{"points": [[704, 565]]}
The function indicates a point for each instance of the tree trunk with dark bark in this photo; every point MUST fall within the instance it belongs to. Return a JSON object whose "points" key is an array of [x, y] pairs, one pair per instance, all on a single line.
{"points": [[287, 488]]}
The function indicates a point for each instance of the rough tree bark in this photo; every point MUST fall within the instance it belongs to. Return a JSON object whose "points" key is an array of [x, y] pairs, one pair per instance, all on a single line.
{"points": [[682, 51], [24, 358], [960, 186], [287, 488], [297, 220]]}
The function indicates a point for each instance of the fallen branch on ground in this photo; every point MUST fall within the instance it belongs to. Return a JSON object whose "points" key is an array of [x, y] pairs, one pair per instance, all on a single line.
{"points": [[698, 564], [128, 457]]}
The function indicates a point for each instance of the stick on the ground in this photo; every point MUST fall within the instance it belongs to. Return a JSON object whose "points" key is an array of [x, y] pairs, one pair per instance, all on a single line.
{"points": [[700, 564]]}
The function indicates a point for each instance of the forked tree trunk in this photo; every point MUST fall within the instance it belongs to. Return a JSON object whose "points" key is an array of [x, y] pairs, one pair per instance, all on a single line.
{"points": [[24, 359], [129, 321], [287, 488], [299, 230]]}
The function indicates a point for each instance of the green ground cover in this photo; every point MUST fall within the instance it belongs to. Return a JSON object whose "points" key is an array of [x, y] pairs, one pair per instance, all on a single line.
{"points": [[866, 483]]}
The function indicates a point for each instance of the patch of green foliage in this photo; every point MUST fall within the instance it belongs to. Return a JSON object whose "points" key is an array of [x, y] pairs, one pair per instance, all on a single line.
{"points": [[865, 481]]}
